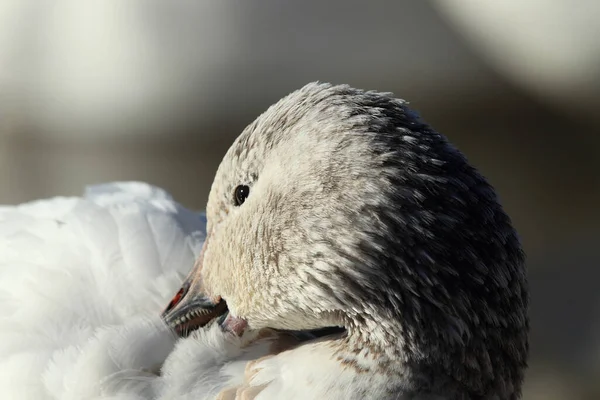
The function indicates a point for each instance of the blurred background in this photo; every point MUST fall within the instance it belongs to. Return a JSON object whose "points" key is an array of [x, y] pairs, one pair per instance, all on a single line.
{"points": [[156, 91]]}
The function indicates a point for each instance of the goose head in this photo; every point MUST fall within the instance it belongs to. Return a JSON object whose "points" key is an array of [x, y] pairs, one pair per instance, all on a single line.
{"points": [[340, 208]]}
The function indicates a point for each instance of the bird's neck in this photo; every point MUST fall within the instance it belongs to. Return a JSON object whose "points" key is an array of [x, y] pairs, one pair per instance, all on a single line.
{"points": [[421, 362], [381, 337], [378, 345], [372, 344]]}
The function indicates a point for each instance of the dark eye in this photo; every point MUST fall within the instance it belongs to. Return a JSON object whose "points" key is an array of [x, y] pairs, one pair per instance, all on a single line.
{"points": [[241, 194]]}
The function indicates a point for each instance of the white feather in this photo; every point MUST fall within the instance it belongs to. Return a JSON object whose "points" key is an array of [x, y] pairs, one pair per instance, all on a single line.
{"points": [[82, 284]]}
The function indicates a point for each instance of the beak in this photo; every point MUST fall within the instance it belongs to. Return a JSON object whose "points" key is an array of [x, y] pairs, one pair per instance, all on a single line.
{"points": [[190, 310]]}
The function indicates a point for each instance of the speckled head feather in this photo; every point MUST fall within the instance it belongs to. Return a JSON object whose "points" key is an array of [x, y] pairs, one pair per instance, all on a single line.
{"points": [[360, 215]]}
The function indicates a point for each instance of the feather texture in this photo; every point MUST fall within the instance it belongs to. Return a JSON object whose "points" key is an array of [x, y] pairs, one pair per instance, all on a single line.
{"points": [[82, 284]]}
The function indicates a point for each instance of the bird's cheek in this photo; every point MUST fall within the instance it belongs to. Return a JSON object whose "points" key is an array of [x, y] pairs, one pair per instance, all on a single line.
{"points": [[210, 280], [216, 279]]}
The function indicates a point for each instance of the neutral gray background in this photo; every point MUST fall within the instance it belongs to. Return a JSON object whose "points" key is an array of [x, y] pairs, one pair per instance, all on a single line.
{"points": [[157, 91]]}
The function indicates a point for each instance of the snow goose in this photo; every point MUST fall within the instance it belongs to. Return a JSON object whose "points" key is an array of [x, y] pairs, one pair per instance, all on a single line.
{"points": [[341, 208]]}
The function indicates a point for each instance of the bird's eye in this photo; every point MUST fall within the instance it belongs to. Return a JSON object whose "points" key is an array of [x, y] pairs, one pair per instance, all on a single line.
{"points": [[241, 194]]}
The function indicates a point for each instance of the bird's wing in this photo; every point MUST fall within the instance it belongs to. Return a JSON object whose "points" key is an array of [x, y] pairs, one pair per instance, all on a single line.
{"points": [[82, 281]]}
